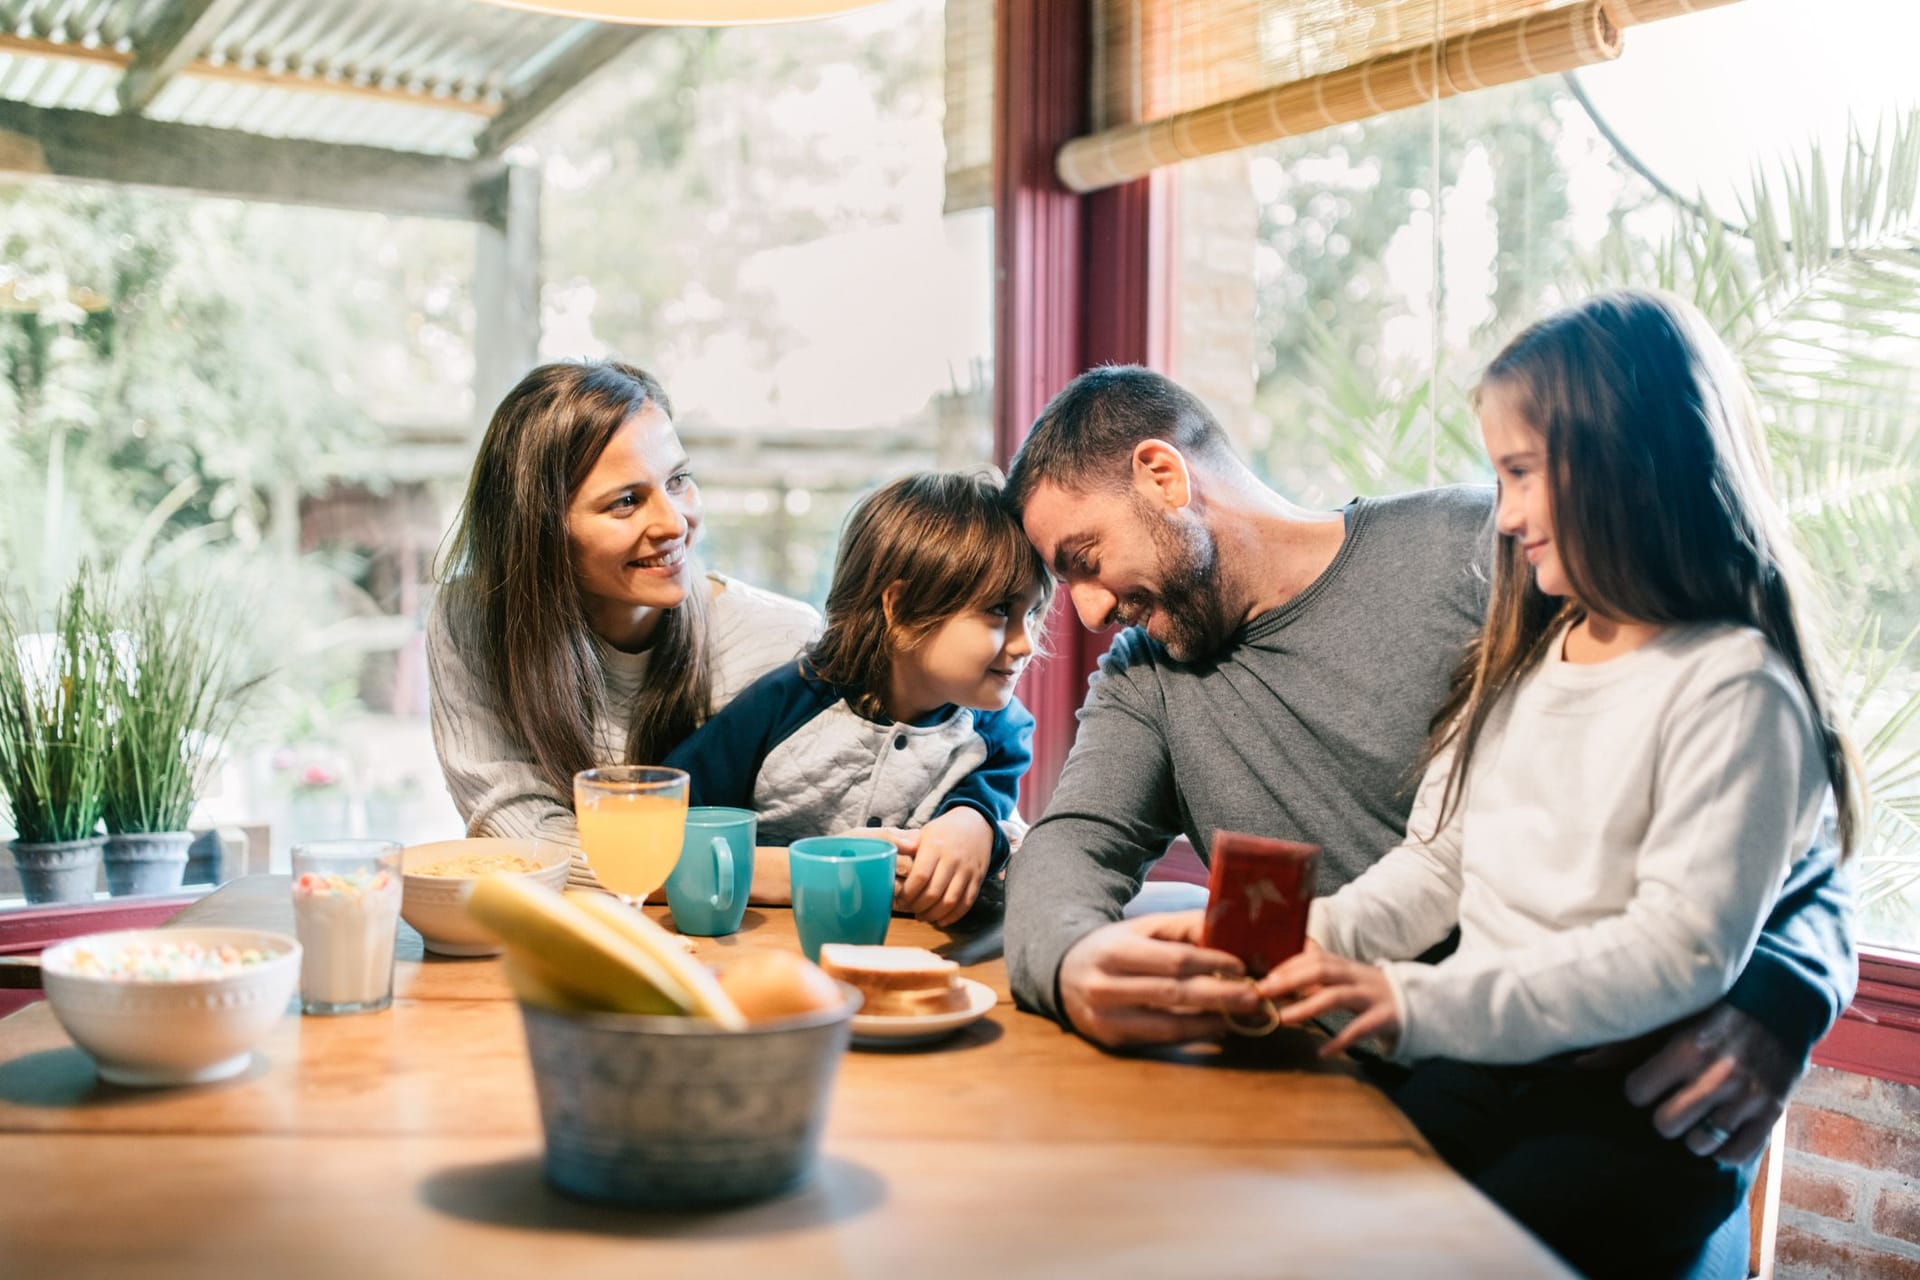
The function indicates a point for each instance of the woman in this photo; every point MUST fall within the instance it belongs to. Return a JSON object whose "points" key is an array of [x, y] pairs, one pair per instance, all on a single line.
{"points": [[573, 628]]}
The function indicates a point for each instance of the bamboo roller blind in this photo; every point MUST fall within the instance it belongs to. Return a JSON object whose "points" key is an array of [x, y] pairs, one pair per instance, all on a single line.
{"points": [[968, 127], [1178, 79]]}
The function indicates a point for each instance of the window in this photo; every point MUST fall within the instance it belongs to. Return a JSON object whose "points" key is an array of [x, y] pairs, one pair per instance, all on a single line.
{"points": [[756, 215], [1389, 260], [787, 225]]}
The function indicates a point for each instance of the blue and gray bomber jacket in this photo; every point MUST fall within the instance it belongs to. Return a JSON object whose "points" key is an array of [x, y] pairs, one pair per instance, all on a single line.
{"points": [[792, 748]]}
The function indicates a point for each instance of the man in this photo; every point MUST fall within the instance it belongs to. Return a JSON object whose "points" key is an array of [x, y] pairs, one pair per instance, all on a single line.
{"points": [[1276, 674]]}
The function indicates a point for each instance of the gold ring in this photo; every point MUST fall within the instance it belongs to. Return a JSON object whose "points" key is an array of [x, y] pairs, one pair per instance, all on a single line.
{"points": [[1272, 1012], [1266, 1028]]}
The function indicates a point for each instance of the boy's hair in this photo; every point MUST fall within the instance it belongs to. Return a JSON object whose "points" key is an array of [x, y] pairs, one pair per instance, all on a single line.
{"points": [[950, 543], [1084, 439], [1662, 510]]}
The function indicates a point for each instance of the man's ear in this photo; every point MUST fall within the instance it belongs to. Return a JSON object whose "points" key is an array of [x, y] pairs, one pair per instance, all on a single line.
{"points": [[1161, 475]]}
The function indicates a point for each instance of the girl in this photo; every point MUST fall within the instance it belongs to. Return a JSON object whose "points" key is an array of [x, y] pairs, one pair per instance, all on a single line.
{"points": [[573, 627], [903, 710], [1636, 746]]}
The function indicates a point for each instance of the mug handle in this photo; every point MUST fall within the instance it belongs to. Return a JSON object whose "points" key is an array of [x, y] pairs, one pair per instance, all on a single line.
{"points": [[723, 874]]}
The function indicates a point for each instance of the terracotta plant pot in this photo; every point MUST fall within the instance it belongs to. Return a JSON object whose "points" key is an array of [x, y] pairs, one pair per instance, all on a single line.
{"points": [[65, 871], [146, 862]]}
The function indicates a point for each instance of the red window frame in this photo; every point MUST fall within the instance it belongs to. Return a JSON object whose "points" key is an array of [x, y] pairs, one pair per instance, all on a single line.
{"points": [[1081, 281], [1879, 1034], [29, 932]]}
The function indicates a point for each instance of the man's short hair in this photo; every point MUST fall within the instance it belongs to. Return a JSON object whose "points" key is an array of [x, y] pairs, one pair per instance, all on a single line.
{"points": [[1084, 439]]}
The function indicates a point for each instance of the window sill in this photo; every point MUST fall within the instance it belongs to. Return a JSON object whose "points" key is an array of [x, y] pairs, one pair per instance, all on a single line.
{"points": [[28, 930], [1879, 1034]]}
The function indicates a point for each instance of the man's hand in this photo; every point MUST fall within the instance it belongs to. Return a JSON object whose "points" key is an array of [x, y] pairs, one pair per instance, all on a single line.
{"points": [[1148, 981], [1331, 982], [1721, 1080], [949, 858]]}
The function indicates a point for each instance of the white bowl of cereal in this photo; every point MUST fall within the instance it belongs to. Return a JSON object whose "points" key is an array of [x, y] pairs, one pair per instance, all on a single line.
{"points": [[436, 878], [170, 1006]]}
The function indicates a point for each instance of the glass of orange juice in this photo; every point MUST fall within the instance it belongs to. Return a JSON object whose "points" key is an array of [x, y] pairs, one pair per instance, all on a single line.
{"points": [[632, 821]]}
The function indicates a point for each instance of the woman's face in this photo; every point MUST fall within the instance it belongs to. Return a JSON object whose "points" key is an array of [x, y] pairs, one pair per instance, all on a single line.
{"points": [[631, 523], [1525, 513]]}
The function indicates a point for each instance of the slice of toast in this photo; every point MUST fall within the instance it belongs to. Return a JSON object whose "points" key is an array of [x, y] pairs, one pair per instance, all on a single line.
{"points": [[896, 981]]}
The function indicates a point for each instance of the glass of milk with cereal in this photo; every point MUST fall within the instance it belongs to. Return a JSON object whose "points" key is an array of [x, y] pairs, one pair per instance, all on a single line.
{"points": [[346, 911]]}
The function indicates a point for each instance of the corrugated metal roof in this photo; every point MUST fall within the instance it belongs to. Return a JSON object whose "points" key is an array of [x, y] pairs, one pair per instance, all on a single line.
{"points": [[419, 75]]}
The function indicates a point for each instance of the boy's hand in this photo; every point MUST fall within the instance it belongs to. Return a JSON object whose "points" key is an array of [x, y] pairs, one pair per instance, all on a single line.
{"points": [[1330, 982], [949, 858], [771, 885]]}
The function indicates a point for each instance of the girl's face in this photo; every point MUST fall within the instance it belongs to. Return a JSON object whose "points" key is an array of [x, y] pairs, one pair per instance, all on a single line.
{"points": [[1525, 514], [632, 521], [973, 659]]}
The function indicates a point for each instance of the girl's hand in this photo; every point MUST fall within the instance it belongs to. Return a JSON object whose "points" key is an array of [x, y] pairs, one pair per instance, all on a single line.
{"points": [[1330, 982], [948, 864]]}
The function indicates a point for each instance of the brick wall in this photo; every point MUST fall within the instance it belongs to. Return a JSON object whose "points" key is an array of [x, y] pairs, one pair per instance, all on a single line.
{"points": [[1850, 1195]]}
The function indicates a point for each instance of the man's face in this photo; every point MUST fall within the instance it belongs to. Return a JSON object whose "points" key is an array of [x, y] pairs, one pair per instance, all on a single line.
{"points": [[1132, 558]]}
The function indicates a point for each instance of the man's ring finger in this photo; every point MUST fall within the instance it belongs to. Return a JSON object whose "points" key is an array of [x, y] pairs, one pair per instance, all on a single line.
{"points": [[1716, 1136]]}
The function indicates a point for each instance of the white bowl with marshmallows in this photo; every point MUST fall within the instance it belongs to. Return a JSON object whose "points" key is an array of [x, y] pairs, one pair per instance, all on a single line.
{"points": [[170, 1006]]}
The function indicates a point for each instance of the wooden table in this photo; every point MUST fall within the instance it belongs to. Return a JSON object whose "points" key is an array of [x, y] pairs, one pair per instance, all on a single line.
{"points": [[407, 1143]]}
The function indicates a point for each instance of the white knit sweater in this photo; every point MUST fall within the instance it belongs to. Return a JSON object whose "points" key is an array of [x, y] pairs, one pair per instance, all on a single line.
{"points": [[1625, 829], [489, 768]]}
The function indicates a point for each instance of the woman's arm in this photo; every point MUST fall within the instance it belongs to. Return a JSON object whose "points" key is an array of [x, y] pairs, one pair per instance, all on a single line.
{"points": [[490, 772]]}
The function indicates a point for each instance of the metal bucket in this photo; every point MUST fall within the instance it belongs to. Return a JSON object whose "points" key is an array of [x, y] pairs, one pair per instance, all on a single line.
{"points": [[677, 1113]]}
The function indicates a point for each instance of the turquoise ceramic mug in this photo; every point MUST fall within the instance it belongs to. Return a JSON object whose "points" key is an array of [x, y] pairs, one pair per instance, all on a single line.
{"points": [[842, 890], [707, 891]]}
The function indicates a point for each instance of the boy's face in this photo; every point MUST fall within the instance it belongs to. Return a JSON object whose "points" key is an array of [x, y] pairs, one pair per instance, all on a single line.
{"points": [[1525, 514], [973, 659]]}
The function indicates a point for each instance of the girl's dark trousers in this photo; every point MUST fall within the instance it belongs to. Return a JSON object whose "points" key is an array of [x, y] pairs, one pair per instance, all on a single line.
{"points": [[1562, 1150]]}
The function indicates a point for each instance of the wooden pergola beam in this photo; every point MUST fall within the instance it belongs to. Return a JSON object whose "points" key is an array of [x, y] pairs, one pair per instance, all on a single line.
{"points": [[175, 37], [49, 142], [587, 50], [202, 69]]}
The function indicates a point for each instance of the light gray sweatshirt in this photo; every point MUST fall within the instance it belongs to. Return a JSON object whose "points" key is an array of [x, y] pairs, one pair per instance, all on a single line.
{"points": [[1308, 726]]}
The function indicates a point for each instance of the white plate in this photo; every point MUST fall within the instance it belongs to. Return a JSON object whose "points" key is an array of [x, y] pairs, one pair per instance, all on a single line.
{"points": [[878, 1029]]}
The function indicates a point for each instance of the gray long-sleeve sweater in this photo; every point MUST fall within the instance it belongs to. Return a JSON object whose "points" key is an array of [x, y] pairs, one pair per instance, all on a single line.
{"points": [[1309, 726]]}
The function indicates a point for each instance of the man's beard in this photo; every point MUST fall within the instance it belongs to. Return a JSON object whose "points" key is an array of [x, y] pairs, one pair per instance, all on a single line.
{"points": [[1188, 599]]}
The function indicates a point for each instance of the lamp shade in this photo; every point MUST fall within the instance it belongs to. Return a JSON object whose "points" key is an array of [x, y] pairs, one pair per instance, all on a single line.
{"points": [[692, 13]]}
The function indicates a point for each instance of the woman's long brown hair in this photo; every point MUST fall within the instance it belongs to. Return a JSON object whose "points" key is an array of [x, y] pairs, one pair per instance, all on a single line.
{"points": [[1662, 513], [514, 599]]}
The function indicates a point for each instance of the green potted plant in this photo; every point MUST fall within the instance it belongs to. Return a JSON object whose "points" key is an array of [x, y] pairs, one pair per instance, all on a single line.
{"points": [[172, 700], [54, 697]]}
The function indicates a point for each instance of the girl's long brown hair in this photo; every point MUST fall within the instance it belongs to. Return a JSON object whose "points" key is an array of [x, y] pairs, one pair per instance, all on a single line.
{"points": [[514, 598], [949, 542], [1662, 512]]}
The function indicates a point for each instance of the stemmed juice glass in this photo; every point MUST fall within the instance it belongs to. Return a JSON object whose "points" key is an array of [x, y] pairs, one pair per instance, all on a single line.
{"points": [[632, 821]]}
